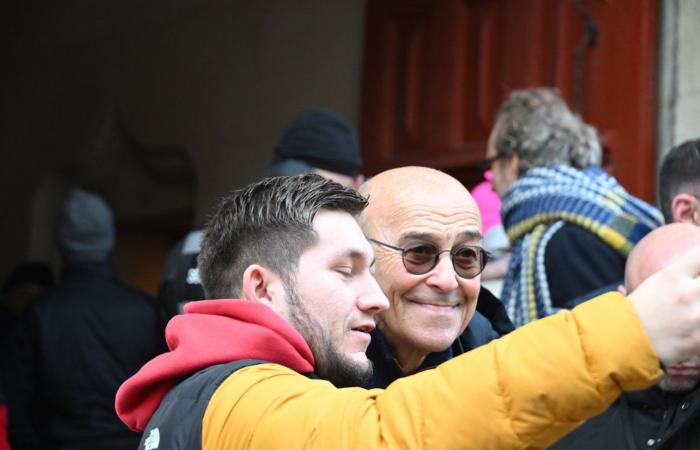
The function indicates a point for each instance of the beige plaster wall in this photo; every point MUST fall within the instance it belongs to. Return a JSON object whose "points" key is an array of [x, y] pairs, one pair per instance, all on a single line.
{"points": [[679, 74]]}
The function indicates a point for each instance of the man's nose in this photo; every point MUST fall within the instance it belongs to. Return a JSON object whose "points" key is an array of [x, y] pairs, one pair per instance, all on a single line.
{"points": [[443, 276], [372, 299]]}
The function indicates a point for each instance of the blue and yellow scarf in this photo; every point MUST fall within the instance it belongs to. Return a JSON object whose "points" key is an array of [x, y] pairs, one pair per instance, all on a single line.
{"points": [[539, 203]]}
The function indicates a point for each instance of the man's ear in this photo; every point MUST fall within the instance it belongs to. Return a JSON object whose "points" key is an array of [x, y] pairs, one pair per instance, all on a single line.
{"points": [[259, 284], [684, 208]]}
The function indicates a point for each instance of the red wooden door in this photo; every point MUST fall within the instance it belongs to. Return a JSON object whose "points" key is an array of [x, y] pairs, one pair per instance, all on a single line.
{"points": [[436, 70]]}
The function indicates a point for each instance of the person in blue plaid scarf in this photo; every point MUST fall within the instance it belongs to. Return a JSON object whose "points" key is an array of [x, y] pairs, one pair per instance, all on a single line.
{"points": [[570, 224]]}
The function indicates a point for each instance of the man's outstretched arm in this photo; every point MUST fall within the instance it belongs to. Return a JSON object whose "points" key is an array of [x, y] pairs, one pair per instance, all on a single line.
{"points": [[522, 391]]}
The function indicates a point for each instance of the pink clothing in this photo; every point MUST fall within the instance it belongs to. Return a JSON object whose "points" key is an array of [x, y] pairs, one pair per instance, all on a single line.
{"points": [[489, 203]]}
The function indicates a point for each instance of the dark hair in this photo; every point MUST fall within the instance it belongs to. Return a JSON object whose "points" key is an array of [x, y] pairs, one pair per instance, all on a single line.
{"points": [[267, 223], [538, 126], [680, 171]]}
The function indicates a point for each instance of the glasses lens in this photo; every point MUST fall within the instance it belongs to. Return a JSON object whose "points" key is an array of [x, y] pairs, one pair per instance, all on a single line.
{"points": [[420, 259], [467, 261]]}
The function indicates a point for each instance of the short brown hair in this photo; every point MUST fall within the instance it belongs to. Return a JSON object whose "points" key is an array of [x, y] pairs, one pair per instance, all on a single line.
{"points": [[267, 223]]}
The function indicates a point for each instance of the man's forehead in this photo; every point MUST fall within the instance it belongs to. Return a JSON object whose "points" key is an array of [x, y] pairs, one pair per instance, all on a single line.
{"points": [[415, 205], [340, 234], [441, 224]]}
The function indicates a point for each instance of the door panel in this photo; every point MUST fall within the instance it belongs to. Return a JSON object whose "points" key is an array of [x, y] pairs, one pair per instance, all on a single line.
{"points": [[435, 72]]}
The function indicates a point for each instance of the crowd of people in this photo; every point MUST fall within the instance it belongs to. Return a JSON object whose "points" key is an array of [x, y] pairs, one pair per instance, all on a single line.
{"points": [[317, 309]]}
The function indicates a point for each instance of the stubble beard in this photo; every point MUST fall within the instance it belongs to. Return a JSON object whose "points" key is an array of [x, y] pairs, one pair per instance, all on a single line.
{"points": [[331, 364]]}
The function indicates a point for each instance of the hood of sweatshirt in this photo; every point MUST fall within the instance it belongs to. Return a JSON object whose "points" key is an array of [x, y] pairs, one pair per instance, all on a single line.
{"points": [[211, 332]]}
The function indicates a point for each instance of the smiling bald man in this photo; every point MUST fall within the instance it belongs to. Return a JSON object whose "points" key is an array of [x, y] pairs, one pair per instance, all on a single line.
{"points": [[426, 232]]}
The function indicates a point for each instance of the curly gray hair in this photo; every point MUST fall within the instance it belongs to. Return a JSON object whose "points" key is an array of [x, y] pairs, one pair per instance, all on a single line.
{"points": [[538, 126]]}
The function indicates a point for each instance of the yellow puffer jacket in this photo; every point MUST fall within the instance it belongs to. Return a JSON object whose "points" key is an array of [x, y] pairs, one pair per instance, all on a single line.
{"points": [[522, 391]]}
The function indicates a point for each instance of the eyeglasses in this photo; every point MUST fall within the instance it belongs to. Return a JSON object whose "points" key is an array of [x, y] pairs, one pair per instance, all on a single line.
{"points": [[468, 260], [487, 163]]}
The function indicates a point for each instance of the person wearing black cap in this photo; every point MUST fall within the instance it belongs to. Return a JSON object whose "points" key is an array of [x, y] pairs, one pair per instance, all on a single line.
{"points": [[78, 341], [317, 140], [320, 141]]}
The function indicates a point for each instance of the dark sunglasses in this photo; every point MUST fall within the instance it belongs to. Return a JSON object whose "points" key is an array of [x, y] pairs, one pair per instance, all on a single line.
{"points": [[468, 260]]}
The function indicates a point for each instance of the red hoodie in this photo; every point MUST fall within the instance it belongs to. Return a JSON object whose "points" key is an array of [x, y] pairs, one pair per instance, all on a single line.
{"points": [[211, 332]]}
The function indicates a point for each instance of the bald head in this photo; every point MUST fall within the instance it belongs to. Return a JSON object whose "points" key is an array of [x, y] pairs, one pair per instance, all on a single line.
{"points": [[427, 190], [421, 208], [658, 249]]}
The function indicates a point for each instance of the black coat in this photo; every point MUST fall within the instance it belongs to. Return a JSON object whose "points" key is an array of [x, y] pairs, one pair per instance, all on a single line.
{"points": [[577, 263], [70, 352], [649, 419]]}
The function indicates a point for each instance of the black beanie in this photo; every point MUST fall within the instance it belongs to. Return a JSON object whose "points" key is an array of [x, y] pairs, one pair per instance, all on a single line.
{"points": [[322, 139]]}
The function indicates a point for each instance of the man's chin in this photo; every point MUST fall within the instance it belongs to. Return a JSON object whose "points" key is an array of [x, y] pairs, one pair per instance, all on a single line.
{"points": [[347, 372], [358, 359], [360, 364], [435, 342]]}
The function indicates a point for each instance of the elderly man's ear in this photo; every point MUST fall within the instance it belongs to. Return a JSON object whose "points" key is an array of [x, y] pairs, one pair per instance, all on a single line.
{"points": [[262, 285], [685, 209]]}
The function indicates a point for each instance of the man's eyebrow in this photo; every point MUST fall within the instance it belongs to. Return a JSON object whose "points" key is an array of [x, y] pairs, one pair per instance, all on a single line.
{"points": [[471, 235], [417, 235]]}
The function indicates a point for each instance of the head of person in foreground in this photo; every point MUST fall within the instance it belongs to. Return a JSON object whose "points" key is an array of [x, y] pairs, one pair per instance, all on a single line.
{"points": [[654, 252], [293, 244]]}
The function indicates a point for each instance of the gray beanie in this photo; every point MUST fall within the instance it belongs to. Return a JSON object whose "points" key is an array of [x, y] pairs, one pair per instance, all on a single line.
{"points": [[321, 139], [85, 228]]}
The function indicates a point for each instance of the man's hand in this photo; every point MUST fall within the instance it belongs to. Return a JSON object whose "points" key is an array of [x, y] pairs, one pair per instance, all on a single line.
{"points": [[668, 304]]}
